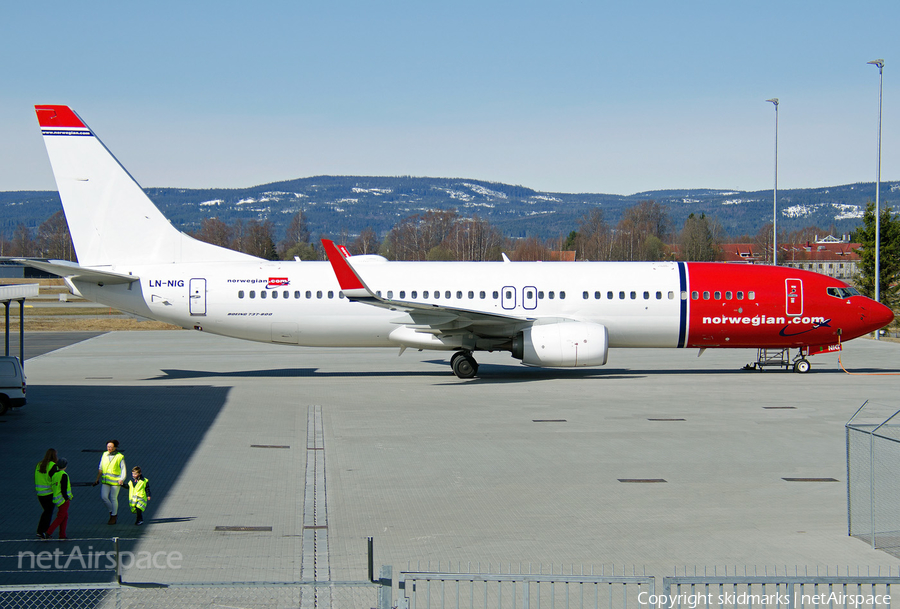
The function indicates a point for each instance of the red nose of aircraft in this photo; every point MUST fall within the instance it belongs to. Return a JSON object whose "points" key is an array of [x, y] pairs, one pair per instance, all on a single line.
{"points": [[877, 314]]}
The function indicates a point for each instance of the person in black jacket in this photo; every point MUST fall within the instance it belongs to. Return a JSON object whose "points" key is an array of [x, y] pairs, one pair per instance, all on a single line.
{"points": [[62, 496]]}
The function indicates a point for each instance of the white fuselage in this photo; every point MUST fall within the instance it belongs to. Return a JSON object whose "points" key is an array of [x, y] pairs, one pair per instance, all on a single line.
{"points": [[301, 303]]}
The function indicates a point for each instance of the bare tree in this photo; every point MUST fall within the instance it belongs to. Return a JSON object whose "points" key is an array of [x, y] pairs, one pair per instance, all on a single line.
{"points": [[414, 237], [215, 231], [258, 240], [593, 240], [641, 233], [54, 239], [530, 249], [366, 243], [473, 240]]}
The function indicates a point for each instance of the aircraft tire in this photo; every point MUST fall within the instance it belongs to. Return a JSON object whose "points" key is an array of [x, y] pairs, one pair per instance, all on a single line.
{"points": [[802, 366], [464, 366]]}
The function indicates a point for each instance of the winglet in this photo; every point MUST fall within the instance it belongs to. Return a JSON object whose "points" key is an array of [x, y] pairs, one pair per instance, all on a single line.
{"points": [[351, 283]]}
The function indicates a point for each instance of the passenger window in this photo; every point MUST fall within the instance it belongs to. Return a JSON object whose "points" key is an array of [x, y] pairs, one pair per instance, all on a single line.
{"points": [[540, 295], [695, 295], [471, 294], [659, 296], [459, 294], [319, 294], [286, 294], [341, 294], [495, 294], [377, 293], [309, 294], [562, 295], [413, 295], [330, 293], [751, 295], [390, 294], [647, 295], [717, 295], [740, 296], [597, 295], [240, 293], [274, 294], [481, 295], [447, 294], [633, 295], [297, 294], [508, 294], [551, 294], [585, 295], [727, 295], [437, 294], [402, 293], [621, 295], [262, 294], [252, 294], [705, 295], [425, 294], [609, 295]]}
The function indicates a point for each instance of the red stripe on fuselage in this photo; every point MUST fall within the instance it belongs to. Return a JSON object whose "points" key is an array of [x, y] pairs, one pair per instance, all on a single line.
{"points": [[764, 316]]}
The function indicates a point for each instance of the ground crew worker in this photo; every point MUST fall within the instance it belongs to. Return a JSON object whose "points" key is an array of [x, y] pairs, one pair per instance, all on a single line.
{"points": [[62, 495], [138, 494], [111, 473], [43, 486]]}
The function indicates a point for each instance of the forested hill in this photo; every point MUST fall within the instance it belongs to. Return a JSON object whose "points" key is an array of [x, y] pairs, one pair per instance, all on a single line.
{"points": [[344, 205]]}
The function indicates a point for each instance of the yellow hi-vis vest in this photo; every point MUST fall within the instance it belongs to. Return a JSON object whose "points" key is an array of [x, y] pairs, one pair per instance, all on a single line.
{"points": [[42, 482], [111, 468], [58, 499], [137, 494]]}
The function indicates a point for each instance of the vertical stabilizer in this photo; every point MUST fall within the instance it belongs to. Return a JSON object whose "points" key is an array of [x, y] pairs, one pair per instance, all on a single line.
{"points": [[111, 220]]}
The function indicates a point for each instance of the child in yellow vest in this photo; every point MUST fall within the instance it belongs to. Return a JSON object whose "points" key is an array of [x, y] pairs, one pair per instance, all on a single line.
{"points": [[138, 494]]}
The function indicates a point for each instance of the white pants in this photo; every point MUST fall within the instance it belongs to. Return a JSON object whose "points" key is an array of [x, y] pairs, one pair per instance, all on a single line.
{"points": [[109, 494]]}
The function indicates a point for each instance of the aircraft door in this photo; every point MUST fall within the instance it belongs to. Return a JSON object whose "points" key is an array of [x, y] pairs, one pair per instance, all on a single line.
{"points": [[508, 297], [794, 296], [198, 296], [529, 297]]}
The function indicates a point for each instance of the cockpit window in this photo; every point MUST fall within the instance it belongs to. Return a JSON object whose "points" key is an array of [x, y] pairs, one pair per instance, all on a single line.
{"points": [[843, 292]]}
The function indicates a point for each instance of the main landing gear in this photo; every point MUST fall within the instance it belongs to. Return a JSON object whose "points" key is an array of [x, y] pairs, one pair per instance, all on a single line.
{"points": [[464, 365]]}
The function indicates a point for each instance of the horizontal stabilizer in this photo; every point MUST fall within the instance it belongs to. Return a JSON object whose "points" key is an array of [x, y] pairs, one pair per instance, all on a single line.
{"points": [[70, 270]]}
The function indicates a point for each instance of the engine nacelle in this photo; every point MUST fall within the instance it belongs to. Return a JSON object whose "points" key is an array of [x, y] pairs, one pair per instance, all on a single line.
{"points": [[562, 344]]}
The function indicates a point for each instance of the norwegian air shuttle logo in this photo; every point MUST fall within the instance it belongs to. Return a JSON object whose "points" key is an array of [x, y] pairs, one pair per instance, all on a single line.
{"points": [[788, 323], [278, 282]]}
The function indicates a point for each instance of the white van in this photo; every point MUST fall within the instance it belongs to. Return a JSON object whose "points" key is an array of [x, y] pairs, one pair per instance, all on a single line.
{"points": [[12, 383]]}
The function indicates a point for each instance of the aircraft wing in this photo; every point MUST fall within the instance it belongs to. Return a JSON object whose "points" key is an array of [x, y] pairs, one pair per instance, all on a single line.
{"points": [[422, 317], [71, 270]]}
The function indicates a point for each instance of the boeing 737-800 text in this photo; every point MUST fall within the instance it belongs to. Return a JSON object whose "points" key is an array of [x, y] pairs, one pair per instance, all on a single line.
{"points": [[561, 314]]}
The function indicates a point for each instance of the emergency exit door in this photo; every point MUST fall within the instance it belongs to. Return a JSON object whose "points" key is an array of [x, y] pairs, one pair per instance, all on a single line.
{"points": [[794, 296], [198, 296]]}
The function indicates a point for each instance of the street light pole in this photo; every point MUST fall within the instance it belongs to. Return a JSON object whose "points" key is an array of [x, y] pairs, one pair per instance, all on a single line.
{"points": [[880, 64], [774, 100]]}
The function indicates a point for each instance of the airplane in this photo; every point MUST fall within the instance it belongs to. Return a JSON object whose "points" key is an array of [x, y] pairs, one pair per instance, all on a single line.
{"points": [[559, 314]]}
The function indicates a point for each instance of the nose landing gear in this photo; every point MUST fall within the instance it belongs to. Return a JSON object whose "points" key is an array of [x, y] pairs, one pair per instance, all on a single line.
{"points": [[464, 365]]}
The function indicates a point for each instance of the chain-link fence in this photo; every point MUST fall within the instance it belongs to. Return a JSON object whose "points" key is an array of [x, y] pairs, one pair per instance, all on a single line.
{"points": [[873, 477], [249, 595]]}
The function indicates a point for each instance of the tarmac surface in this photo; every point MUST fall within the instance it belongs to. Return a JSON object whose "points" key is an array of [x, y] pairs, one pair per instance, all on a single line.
{"points": [[272, 463]]}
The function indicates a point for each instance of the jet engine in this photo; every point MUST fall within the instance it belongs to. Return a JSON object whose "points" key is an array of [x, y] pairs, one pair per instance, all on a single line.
{"points": [[562, 344]]}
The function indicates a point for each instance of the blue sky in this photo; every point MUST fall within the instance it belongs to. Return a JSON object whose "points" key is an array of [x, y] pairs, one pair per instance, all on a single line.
{"points": [[564, 96]]}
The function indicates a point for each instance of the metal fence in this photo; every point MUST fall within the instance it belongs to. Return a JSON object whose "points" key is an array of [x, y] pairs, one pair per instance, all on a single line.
{"points": [[873, 483], [246, 595], [442, 590], [766, 592]]}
